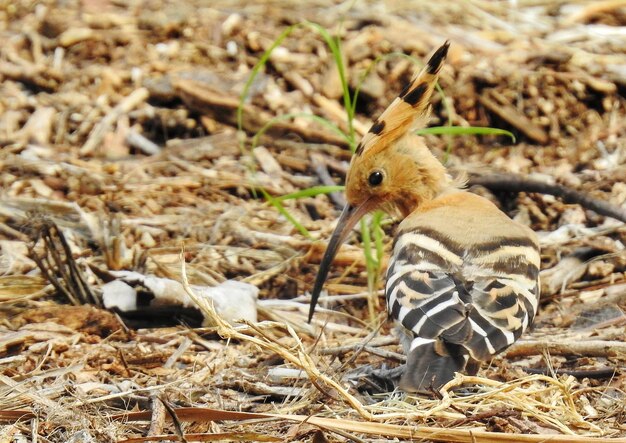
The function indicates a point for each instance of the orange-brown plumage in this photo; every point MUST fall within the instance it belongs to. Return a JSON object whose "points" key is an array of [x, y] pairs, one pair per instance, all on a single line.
{"points": [[463, 279], [411, 175]]}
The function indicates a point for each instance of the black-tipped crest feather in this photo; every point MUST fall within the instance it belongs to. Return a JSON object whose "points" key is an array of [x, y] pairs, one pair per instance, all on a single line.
{"points": [[411, 103], [436, 61]]}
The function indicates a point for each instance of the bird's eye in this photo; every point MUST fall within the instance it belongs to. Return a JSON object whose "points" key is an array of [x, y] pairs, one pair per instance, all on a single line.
{"points": [[375, 178]]}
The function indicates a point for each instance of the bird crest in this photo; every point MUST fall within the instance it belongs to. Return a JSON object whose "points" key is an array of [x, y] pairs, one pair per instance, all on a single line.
{"points": [[412, 103]]}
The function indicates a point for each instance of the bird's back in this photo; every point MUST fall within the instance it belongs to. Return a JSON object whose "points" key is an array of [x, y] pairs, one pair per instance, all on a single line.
{"points": [[462, 282]]}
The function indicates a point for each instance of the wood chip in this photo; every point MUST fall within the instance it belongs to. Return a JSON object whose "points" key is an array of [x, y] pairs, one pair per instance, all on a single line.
{"points": [[508, 113]]}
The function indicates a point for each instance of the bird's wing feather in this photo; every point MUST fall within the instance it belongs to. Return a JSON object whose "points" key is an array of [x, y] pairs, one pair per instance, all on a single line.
{"points": [[482, 299]]}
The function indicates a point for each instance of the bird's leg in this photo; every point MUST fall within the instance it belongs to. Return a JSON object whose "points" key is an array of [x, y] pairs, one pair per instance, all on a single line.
{"points": [[375, 380]]}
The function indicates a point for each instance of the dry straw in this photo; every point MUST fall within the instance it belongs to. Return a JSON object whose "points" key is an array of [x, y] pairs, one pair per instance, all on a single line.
{"points": [[546, 400]]}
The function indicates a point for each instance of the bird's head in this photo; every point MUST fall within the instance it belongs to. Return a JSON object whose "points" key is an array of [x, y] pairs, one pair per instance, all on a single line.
{"points": [[392, 169], [395, 180]]}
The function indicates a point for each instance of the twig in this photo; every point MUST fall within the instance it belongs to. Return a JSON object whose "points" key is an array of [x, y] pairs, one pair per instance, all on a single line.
{"points": [[348, 436], [28, 73], [374, 343], [139, 141], [507, 112], [50, 277], [363, 346], [580, 373], [10, 232], [157, 420], [182, 348], [301, 360], [130, 102], [389, 355], [159, 406], [516, 183], [598, 7], [590, 348], [34, 430], [502, 412], [200, 98], [76, 277], [60, 262], [401, 432], [177, 425], [319, 166]]}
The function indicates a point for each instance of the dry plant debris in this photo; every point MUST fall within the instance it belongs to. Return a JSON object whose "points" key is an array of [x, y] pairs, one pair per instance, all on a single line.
{"points": [[119, 149]]}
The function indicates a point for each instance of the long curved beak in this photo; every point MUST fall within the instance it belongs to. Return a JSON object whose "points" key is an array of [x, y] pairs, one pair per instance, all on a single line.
{"points": [[349, 217]]}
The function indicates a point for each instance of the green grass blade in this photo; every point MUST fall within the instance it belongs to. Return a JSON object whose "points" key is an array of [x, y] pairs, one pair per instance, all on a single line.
{"points": [[334, 46], [310, 192], [465, 130], [370, 260], [362, 78], [335, 49], [255, 71], [280, 208], [372, 266], [379, 236]]}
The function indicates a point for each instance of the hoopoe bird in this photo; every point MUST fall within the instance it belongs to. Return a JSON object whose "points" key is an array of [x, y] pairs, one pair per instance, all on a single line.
{"points": [[463, 281]]}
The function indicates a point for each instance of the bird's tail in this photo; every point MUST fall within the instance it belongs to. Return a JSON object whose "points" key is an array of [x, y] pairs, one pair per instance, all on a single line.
{"points": [[431, 364]]}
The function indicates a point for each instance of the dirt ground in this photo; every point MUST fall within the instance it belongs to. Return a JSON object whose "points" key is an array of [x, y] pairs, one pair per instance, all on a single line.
{"points": [[120, 151]]}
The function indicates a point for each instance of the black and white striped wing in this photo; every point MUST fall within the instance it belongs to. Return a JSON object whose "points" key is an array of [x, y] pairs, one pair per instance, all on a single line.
{"points": [[438, 290], [505, 293], [422, 292]]}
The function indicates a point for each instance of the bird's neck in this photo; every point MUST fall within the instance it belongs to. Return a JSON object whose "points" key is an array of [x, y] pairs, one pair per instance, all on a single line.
{"points": [[411, 201], [425, 177]]}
